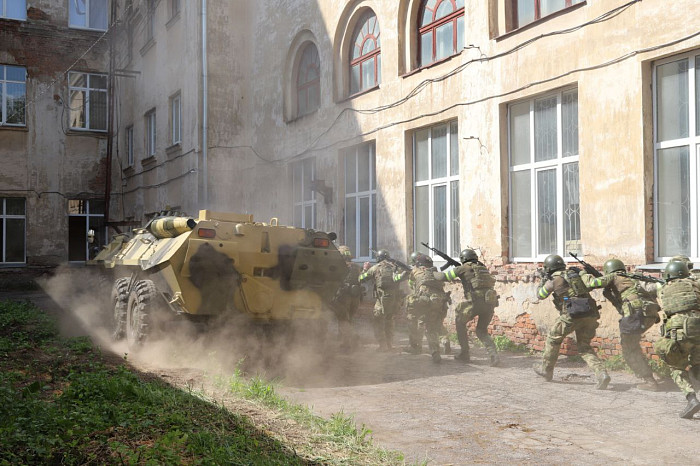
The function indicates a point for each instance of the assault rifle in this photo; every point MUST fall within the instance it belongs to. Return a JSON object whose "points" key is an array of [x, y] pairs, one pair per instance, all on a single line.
{"points": [[607, 292], [448, 260], [644, 278], [396, 262]]}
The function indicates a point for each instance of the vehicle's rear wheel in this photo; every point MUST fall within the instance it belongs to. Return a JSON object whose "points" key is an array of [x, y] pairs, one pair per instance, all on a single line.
{"points": [[120, 301], [142, 313]]}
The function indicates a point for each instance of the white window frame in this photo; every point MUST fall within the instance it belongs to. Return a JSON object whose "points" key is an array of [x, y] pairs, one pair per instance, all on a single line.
{"points": [[3, 10], [150, 133], [88, 215], [536, 167], [88, 89], [3, 95], [693, 144], [130, 145], [150, 20], [432, 183], [88, 6], [303, 204], [176, 119], [4, 216], [370, 194]]}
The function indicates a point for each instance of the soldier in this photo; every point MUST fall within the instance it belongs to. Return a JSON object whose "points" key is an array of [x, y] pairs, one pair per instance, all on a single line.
{"points": [[680, 345], [346, 302], [694, 273], [386, 285], [639, 311], [480, 299], [578, 313]]}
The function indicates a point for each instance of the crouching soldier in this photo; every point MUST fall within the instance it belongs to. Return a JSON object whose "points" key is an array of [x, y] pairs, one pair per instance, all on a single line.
{"points": [[680, 345], [480, 300], [578, 313], [346, 301], [639, 311]]}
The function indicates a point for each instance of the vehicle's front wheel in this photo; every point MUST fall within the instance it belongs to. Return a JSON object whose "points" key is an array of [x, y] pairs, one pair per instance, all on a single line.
{"points": [[120, 301], [142, 313]]}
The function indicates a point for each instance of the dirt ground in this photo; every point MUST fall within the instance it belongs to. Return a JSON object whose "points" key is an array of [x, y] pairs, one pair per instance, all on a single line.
{"points": [[456, 413]]}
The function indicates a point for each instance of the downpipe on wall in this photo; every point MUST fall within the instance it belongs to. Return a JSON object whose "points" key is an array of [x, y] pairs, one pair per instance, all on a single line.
{"points": [[205, 121]]}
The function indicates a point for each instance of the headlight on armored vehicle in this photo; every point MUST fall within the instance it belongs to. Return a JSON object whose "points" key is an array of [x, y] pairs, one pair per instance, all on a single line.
{"points": [[321, 242]]}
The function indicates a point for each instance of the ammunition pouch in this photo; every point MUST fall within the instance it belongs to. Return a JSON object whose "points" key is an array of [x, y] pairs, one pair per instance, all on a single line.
{"points": [[632, 324], [491, 298], [578, 308], [670, 352]]}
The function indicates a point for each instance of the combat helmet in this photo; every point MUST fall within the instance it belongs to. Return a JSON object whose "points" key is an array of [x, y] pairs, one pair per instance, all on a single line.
{"points": [[383, 255], [424, 260], [413, 258], [613, 265], [553, 263], [685, 259], [468, 255], [346, 252], [676, 269]]}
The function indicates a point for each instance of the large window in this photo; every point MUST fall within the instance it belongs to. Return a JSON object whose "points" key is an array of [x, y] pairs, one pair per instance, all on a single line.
{"points": [[13, 95], [303, 177], [360, 200], [88, 101], [12, 230], [175, 119], [527, 11], [545, 215], [365, 56], [150, 27], [436, 188], [84, 215], [308, 81], [677, 155], [89, 14], [441, 29], [129, 146], [151, 133], [13, 9]]}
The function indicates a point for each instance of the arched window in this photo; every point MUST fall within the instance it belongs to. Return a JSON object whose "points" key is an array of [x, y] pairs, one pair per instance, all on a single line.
{"points": [[365, 56], [308, 81], [441, 29]]}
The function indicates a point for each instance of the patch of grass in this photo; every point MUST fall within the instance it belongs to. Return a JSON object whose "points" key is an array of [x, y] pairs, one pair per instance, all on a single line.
{"points": [[340, 430], [616, 363], [503, 343], [61, 402]]}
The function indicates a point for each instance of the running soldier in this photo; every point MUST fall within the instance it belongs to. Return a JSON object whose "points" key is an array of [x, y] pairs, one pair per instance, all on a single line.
{"points": [[639, 311], [346, 301], [578, 313], [680, 345], [386, 283], [480, 300]]}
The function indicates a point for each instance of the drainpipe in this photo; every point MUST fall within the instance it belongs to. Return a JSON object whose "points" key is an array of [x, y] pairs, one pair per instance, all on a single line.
{"points": [[205, 120]]}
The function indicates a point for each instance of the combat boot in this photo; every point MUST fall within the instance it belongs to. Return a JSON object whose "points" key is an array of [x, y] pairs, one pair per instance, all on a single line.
{"points": [[494, 360], [413, 349], [463, 356], [602, 380], [650, 384], [448, 347], [547, 373], [436, 357], [692, 407]]}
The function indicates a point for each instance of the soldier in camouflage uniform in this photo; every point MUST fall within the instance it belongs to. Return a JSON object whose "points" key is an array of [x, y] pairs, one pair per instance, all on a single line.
{"points": [[639, 311], [386, 283], [680, 345], [578, 313], [694, 273], [346, 301], [480, 299]]}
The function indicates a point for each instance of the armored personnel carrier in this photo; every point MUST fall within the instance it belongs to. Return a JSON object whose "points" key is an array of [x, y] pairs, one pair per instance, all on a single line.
{"points": [[218, 265]]}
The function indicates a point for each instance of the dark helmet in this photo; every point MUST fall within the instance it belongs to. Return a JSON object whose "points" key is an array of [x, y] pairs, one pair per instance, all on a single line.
{"points": [[424, 261], [685, 259], [413, 258], [553, 262], [383, 255], [613, 265], [676, 269], [468, 255]]}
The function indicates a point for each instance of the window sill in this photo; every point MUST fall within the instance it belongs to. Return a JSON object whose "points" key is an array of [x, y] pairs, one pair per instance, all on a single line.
{"points": [[433, 64], [174, 149], [172, 20], [148, 161], [87, 132], [21, 129], [536, 23], [303, 117], [148, 46], [128, 170], [86, 29], [361, 93]]}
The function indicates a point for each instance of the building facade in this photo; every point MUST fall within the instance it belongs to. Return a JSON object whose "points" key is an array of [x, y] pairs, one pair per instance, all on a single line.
{"points": [[520, 128]]}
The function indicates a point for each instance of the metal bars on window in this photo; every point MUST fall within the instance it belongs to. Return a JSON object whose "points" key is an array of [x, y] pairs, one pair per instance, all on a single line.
{"points": [[87, 101], [360, 200]]}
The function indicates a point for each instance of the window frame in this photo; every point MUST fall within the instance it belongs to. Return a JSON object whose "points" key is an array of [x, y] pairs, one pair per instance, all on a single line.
{"points": [[452, 244], [302, 203], [537, 11], [88, 6], [535, 167], [4, 97], [176, 136], [87, 215], [129, 133], [175, 7], [374, 54], [3, 220], [358, 196], [150, 28], [434, 25], [3, 11], [151, 135], [692, 141], [88, 90], [306, 86]]}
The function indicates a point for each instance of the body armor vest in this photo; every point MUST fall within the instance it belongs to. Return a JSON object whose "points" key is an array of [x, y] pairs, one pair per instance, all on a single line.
{"points": [[425, 277], [384, 276], [680, 296], [577, 288], [482, 279]]}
